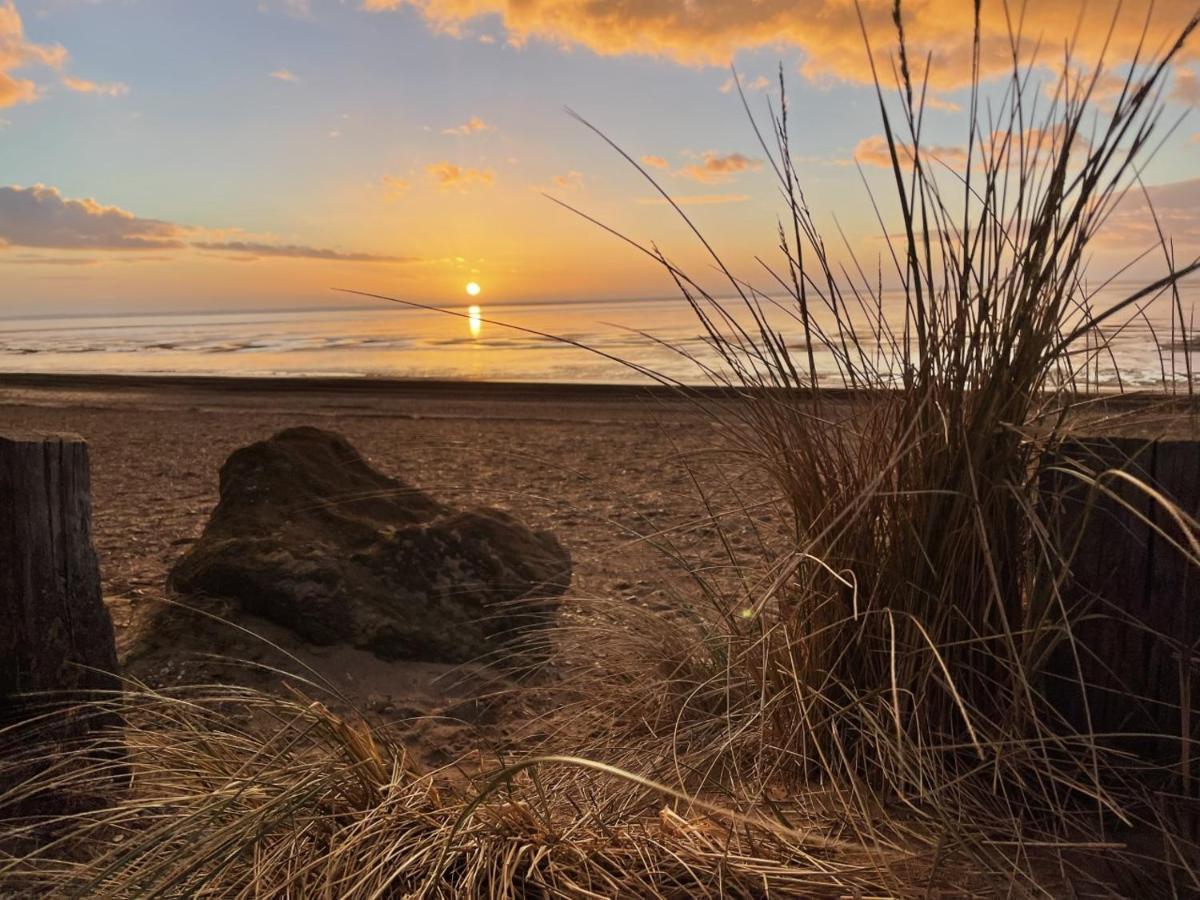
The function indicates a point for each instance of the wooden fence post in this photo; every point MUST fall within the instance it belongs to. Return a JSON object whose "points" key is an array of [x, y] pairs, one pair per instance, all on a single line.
{"points": [[55, 632], [1133, 595]]}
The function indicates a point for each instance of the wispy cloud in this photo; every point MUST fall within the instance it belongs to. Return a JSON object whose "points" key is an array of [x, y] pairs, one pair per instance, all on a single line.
{"points": [[83, 86], [761, 83], [716, 168], [1176, 206], [1186, 88], [31, 259], [448, 175], [572, 181], [473, 125], [258, 250], [655, 162], [394, 186], [933, 101], [284, 75]]}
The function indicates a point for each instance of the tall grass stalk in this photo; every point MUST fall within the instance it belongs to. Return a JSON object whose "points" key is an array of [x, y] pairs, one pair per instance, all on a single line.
{"points": [[862, 714]]}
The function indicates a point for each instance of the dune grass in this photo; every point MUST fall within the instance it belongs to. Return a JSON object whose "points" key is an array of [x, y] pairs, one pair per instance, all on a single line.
{"points": [[863, 710]]}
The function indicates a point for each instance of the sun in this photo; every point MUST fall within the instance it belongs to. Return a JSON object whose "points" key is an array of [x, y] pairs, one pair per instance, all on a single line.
{"points": [[473, 289]]}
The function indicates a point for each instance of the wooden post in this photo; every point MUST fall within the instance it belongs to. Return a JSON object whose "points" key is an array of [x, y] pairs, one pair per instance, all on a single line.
{"points": [[1132, 595], [55, 632]]}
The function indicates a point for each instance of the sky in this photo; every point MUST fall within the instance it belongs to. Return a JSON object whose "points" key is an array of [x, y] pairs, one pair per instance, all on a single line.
{"points": [[190, 155]]}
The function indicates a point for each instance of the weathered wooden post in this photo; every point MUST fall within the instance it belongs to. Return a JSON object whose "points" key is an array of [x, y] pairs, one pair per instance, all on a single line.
{"points": [[56, 637], [1133, 592]]}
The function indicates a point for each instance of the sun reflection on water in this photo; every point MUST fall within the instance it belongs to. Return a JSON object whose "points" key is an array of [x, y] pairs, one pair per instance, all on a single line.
{"points": [[475, 320]]}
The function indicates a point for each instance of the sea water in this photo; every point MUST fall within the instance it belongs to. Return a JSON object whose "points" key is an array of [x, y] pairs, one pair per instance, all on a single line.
{"points": [[601, 341]]}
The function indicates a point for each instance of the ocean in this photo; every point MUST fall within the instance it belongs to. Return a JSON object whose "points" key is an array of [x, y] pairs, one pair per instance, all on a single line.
{"points": [[487, 342]]}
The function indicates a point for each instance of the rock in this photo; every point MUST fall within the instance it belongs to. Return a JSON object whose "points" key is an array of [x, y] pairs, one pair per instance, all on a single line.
{"points": [[308, 535]]}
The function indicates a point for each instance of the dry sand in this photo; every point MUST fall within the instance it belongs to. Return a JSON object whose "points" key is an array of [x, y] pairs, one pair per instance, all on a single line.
{"points": [[597, 466], [602, 467]]}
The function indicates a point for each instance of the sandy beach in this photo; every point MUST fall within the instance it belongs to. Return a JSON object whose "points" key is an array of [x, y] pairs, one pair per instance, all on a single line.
{"points": [[600, 467]]}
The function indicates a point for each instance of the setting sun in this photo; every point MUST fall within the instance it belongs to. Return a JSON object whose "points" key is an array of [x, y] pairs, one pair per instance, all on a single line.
{"points": [[473, 289]]}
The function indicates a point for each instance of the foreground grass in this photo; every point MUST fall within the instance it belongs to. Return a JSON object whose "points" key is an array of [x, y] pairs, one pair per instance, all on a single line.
{"points": [[237, 793], [862, 712]]}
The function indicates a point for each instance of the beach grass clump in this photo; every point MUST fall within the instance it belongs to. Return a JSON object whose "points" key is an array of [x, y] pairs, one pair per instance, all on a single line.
{"points": [[896, 649], [860, 712]]}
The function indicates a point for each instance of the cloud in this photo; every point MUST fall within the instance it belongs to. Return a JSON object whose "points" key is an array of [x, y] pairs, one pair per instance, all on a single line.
{"points": [[16, 52], [572, 181], [448, 175], [655, 162], [1177, 206], [933, 101], [873, 151], [284, 75], [257, 249], [394, 185], [473, 125], [1186, 88], [31, 259], [827, 32], [83, 86], [715, 168], [695, 199], [40, 216], [761, 83]]}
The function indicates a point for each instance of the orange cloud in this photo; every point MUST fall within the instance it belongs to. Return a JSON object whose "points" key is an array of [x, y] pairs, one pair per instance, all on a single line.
{"points": [[17, 52], [1186, 88], [655, 162], [933, 101], [394, 186], [827, 31], [761, 83], [284, 75], [83, 86], [473, 125], [715, 168], [448, 175], [572, 181], [873, 151], [1040, 142]]}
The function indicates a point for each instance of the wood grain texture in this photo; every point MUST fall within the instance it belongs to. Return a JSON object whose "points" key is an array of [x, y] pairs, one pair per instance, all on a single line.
{"points": [[1132, 592], [56, 637]]}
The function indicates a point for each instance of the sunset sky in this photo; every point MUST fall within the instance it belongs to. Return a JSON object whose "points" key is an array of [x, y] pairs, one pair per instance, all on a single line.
{"points": [[221, 154]]}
